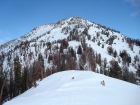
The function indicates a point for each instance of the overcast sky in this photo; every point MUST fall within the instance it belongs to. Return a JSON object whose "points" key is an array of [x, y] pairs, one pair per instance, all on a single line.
{"points": [[18, 17]]}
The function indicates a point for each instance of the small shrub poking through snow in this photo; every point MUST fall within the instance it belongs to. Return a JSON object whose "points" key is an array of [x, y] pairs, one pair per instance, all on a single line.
{"points": [[103, 83]]}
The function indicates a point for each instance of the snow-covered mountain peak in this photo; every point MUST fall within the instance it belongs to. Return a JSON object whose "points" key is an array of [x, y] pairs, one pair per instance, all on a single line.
{"points": [[70, 44], [74, 21]]}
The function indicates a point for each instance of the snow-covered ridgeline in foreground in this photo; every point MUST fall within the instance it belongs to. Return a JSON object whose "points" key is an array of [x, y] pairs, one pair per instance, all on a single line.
{"points": [[84, 89]]}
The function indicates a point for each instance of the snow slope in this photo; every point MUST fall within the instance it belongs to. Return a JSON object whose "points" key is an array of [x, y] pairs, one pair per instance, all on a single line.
{"points": [[84, 89]]}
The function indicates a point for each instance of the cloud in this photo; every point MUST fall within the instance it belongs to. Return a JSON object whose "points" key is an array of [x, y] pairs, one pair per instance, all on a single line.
{"points": [[134, 3], [134, 14]]}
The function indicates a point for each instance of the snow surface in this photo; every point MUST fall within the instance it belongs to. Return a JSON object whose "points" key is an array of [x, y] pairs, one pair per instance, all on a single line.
{"points": [[84, 89]]}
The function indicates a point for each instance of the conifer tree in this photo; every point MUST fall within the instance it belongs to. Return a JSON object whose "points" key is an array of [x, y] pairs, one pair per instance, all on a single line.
{"points": [[132, 78], [102, 45], [115, 53], [63, 65], [99, 59], [125, 73], [99, 43], [49, 58], [138, 70], [61, 49], [17, 71], [115, 70], [24, 80], [79, 51], [72, 52], [12, 85], [1, 87], [110, 50]]}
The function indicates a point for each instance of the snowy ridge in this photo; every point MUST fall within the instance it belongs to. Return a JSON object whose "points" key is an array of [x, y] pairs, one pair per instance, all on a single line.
{"points": [[84, 89]]}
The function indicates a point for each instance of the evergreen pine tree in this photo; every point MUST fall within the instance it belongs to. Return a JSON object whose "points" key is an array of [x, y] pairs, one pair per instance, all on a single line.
{"points": [[110, 50], [99, 43], [11, 85], [17, 71], [24, 80], [63, 65], [102, 45], [61, 49], [115, 70], [115, 53], [79, 51]]}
